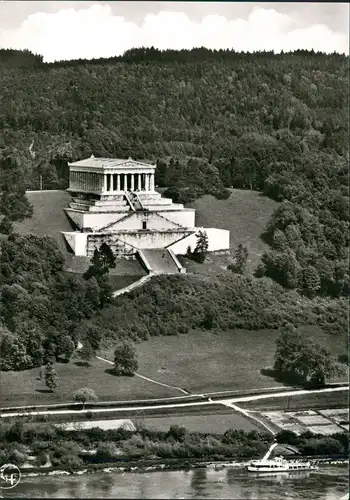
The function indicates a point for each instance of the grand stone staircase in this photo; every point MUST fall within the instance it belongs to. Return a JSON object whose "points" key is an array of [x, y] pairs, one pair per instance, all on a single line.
{"points": [[161, 261]]}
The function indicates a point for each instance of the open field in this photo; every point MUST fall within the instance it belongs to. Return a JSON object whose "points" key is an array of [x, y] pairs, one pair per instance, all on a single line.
{"points": [[210, 423], [216, 423], [23, 388], [202, 361], [245, 214], [324, 400]]}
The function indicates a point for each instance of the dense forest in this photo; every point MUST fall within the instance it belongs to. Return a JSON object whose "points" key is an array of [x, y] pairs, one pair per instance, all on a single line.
{"points": [[212, 120]]}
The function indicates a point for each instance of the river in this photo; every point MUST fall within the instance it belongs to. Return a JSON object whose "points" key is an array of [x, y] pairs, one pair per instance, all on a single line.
{"points": [[327, 483]]}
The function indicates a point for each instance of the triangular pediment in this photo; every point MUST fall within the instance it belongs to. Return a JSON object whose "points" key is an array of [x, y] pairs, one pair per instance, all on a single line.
{"points": [[110, 163], [136, 164]]}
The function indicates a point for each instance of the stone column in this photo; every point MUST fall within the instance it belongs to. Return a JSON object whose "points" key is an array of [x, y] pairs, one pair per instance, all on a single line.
{"points": [[132, 182], [125, 182], [139, 182], [112, 183], [118, 182], [104, 182], [152, 182]]}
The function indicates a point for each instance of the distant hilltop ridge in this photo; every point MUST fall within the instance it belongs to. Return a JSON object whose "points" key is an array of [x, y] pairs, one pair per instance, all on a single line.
{"points": [[12, 58]]}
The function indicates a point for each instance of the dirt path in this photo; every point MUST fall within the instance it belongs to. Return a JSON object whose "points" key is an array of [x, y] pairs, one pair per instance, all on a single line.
{"points": [[149, 379]]}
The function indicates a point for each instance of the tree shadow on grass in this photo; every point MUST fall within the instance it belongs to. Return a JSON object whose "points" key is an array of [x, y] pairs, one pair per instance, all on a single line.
{"points": [[282, 378], [111, 371], [81, 363], [44, 391]]}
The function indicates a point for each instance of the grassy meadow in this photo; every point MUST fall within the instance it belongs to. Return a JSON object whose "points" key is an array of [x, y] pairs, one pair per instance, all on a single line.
{"points": [[208, 423], [245, 214], [202, 361], [24, 387], [199, 362]]}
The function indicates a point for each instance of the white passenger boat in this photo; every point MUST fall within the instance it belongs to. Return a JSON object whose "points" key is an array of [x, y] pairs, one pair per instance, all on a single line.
{"points": [[278, 464]]}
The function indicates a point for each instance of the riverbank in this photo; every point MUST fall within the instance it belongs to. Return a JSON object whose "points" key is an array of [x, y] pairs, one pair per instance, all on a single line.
{"points": [[185, 465], [329, 482], [46, 448]]}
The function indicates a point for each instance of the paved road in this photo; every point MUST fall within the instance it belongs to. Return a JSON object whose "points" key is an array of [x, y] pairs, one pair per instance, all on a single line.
{"points": [[224, 401], [298, 392]]}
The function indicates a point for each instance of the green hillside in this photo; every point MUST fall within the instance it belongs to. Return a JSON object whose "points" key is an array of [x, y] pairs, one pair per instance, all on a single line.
{"points": [[48, 217], [212, 120], [201, 103], [245, 214]]}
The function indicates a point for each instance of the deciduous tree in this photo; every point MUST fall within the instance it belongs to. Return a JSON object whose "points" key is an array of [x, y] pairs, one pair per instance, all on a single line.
{"points": [[301, 358], [65, 347], [87, 352], [83, 395], [125, 360], [51, 377]]}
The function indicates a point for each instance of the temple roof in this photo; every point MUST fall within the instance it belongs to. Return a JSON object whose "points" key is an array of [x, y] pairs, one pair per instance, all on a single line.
{"points": [[107, 163]]}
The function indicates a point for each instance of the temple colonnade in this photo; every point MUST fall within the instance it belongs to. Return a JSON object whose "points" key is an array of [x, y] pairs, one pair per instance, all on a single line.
{"points": [[108, 182]]}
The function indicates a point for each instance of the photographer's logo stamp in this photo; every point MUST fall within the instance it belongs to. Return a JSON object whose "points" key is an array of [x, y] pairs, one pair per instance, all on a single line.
{"points": [[10, 476]]}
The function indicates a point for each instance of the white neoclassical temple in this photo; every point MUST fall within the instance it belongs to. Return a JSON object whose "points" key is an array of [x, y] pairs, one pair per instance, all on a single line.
{"points": [[108, 175], [115, 201]]}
